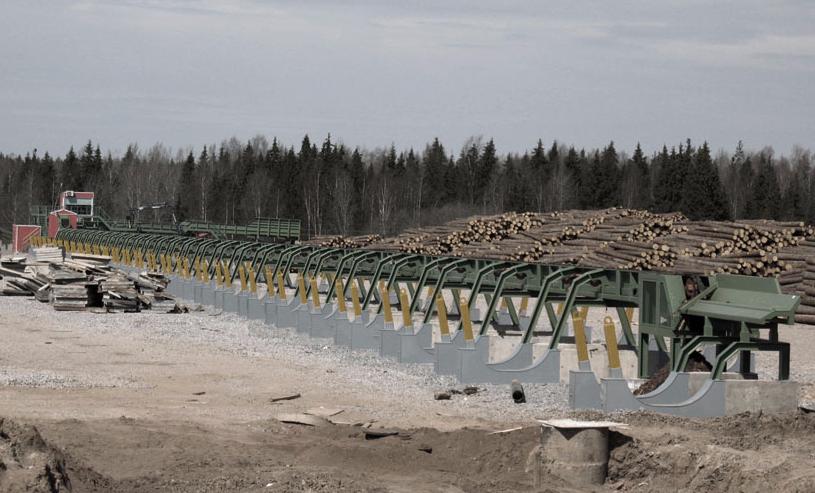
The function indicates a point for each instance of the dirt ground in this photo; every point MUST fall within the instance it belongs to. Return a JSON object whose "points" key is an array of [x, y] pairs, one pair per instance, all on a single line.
{"points": [[84, 408]]}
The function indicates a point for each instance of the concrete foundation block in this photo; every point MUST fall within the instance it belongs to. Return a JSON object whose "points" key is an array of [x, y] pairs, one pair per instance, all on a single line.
{"points": [[390, 341], [342, 330], [417, 347], [208, 294], [255, 309], [584, 389], [286, 315], [230, 302], [363, 335], [188, 287], [270, 306], [321, 326]]}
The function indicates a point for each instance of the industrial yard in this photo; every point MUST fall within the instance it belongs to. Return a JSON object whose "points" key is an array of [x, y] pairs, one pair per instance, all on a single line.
{"points": [[395, 247], [162, 402], [192, 396]]}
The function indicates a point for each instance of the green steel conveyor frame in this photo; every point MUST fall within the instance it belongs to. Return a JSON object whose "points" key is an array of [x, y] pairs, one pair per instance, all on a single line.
{"points": [[730, 311]]}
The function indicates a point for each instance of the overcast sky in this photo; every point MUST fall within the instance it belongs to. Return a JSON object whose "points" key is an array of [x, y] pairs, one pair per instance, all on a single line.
{"points": [[372, 73]]}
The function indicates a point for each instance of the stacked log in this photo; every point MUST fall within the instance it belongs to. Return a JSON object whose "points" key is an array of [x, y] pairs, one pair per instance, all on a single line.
{"points": [[345, 241], [806, 311], [455, 237]]}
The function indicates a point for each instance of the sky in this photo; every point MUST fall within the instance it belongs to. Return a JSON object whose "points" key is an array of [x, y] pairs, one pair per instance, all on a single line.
{"points": [[375, 73]]}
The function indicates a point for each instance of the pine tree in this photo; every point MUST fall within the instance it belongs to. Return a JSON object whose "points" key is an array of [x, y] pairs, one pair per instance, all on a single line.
{"points": [[574, 177], [702, 194], [765, 193], [795, 203], [735, 186], [47, 179], [642, 179], [539, 174], [434, 162], [487, 165], [670, 180], [604, 180], [70, 172], [467, 173], [185, 200]]}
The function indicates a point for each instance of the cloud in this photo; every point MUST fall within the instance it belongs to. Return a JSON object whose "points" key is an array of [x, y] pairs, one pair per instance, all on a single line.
{"points": [[765, 51]]}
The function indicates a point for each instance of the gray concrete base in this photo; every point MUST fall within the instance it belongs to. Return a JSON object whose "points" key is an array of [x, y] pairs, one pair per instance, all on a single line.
{"points": [[243, 304], [390, 341], [198, 293], [302, 317], [287, 315], [230, 303], [218, 296], [174, 287], [447, 358], [714, 398], [475, 367], [256, 309], [545, 369], [417, 347], [320, 323], [270, 307], [188, 289], [362, 333], [342, 329], [584, 389], [208, 294]]}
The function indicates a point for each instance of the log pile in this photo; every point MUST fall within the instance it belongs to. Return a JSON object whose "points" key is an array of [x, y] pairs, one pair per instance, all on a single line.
{"points": [[630, 239], [806, 311], [344, 241], [454, 237]]}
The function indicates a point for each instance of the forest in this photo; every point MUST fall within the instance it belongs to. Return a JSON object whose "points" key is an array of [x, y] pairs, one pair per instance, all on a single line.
{"points": [[335, 189]]}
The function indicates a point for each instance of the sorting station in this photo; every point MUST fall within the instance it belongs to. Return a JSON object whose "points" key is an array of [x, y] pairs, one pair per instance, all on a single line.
{"points": [[456, 314]]}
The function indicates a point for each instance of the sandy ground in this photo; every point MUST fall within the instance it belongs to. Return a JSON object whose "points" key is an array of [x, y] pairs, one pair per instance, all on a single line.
{"points": [[150, 402]]}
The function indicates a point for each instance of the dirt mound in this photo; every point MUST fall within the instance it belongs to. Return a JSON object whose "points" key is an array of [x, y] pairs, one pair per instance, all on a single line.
{"points": [[748, 453], [27, 463]]}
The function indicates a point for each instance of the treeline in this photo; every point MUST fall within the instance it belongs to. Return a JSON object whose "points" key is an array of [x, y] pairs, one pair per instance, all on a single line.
{"points": [[335, 189]]}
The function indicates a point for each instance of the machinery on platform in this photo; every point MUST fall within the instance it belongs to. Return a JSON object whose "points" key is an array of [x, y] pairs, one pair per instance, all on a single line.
{"points": [[309, 288], [78, 210]]}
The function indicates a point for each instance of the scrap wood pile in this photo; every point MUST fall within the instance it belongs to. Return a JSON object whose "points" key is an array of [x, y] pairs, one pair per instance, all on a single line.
{"points": [[630, 239], [83, 282]]}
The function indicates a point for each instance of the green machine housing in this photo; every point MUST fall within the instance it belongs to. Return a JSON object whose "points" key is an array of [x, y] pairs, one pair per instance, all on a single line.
{"points": [[729, 312]]}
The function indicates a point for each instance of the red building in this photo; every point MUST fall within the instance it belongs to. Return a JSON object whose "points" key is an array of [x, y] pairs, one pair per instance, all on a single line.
{"points": [[22, 234], [80, 203], [61, 219]]}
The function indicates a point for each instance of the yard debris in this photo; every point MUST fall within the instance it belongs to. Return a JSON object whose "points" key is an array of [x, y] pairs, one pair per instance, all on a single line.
{"points": [[508, 430], [303, 419], [517, 392], [285, 398], [470, 390], [84, 282], [373, 434], [324, 412]]}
